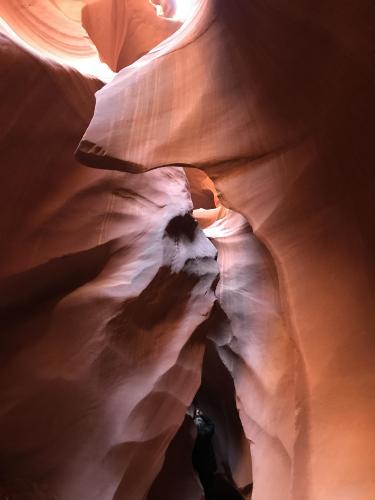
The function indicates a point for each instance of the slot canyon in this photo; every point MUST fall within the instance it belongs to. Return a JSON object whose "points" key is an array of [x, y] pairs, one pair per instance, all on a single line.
{"points": [[187, 289]]}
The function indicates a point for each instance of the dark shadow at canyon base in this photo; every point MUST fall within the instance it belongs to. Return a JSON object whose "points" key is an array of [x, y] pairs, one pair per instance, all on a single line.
{"points": [[233, 479]]}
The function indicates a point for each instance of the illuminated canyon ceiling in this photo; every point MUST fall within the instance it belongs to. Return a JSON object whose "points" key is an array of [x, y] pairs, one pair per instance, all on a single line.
{"points": [[187, 221]]}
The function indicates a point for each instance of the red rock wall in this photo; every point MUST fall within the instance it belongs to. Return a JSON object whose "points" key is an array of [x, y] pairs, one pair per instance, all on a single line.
{"points": [[123, 31], [82, 33], [275, 101], [106, 285], [52, 26]]}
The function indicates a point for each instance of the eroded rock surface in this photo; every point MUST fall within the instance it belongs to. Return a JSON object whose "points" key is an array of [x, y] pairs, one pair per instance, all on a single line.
{"points": [[282, 120], [79, 32], [106, 285], [254, 345], [123, 31], [53, 26]]}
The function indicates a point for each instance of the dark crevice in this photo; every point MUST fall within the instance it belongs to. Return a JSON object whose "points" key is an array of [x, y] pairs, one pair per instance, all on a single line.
{"points": [[231, 474], [182, 225], [209, 460], [216, 399]]}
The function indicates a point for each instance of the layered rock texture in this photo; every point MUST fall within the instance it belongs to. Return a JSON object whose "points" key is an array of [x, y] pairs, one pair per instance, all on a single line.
{"points": [[123, 31], [281, 118], [80, 32], [120, 305], [106, 288]]}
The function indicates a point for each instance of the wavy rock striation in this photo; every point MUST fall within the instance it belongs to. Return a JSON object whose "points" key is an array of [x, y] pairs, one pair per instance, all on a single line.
{"points": [[275, 101], [123, 31], [79, 32], [106, 290]]}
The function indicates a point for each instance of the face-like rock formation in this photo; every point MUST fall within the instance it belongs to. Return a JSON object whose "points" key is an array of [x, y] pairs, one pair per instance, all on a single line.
{"points": [[119, 309], [275, 102]]}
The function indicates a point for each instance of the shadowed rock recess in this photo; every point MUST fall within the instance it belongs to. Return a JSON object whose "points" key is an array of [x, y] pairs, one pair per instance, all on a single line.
{"points": [[197, 233]]}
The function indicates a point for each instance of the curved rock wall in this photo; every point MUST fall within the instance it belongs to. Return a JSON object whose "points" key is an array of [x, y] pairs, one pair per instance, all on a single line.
{"points": [[107, 284], [275, 101], [52, 26], [78, 31], [123, 31], [106, 287], [255, 346]]}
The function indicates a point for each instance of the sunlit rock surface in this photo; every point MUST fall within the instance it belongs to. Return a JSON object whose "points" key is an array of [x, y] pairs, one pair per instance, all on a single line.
{"points": [[53, 26], [106, 287], [82, 33], [275, 101], [123, 31], [254, 344], [107, 283]]}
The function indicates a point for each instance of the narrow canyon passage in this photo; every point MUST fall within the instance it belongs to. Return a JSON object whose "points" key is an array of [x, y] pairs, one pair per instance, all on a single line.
{"points": [[187, 221], [216, 398], [251, 337], [248, 368]]}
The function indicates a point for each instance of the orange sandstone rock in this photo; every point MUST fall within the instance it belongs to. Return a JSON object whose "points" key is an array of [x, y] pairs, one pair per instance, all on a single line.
{"points": [[275, 101], [106, 284]]}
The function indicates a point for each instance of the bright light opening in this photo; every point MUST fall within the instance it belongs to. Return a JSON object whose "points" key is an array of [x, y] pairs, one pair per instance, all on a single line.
{"points": [[89, 65], [184, 8]]}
